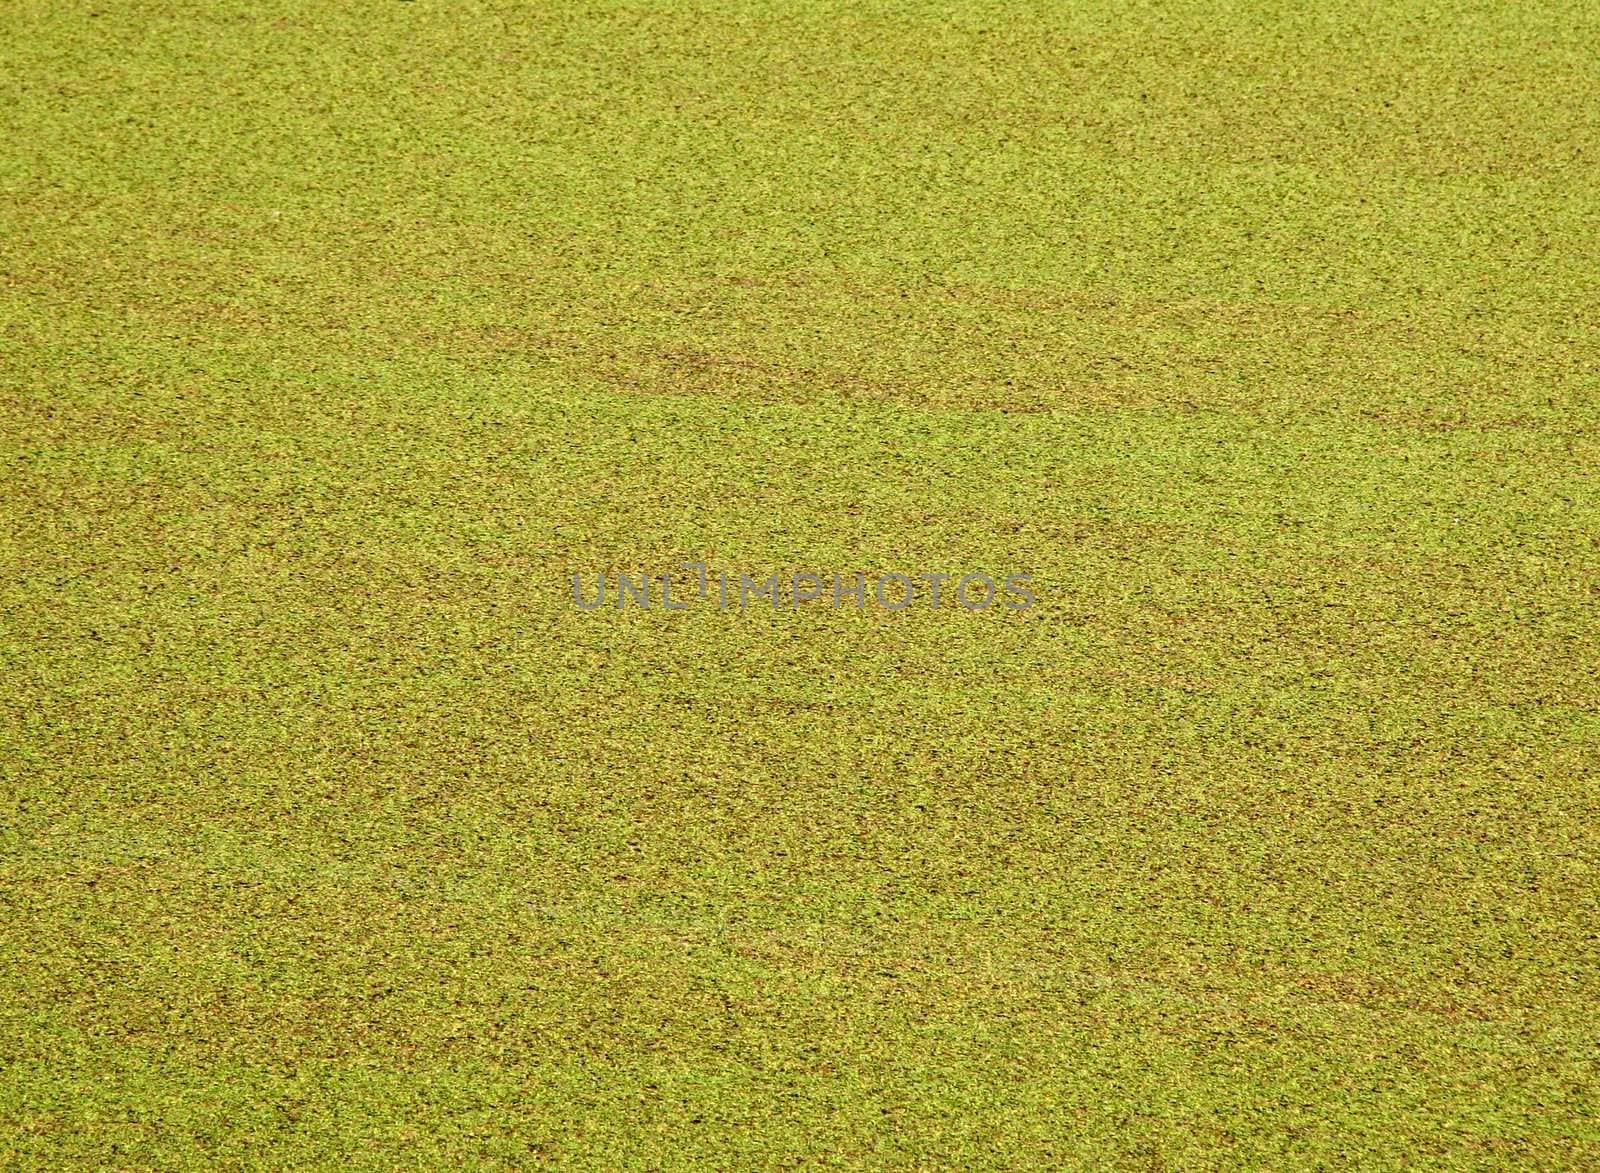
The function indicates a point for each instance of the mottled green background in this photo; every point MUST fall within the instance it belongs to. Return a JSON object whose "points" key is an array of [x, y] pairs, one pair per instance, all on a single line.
{"points": [[334, 337]]}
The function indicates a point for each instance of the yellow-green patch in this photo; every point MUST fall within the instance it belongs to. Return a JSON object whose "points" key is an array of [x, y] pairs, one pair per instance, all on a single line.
{"points": [[335, 339]]}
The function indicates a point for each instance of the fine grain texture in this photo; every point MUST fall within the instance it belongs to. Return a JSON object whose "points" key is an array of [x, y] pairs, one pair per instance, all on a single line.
{"points": [[335, 338]]}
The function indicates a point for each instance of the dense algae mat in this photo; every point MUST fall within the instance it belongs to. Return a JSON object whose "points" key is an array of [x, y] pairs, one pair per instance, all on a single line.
{"points": [[334, 338]]}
